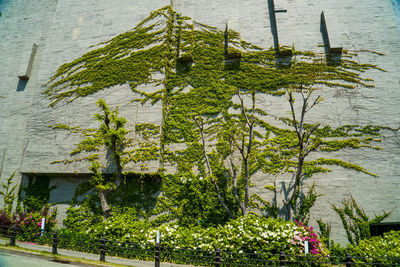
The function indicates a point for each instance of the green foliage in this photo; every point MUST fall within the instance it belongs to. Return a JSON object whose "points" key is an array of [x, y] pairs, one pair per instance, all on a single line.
{"points": [[85, 220], [191, 200], [371, 250], [112, 137], [72, 240], [157, 43], [37, 193], [324, 232], [248, 234], [8, 194], [355, 221], [30, 225], [337, 253], [139, 192], [80, 218], [147, 145], [307, 201], [311, 139]]}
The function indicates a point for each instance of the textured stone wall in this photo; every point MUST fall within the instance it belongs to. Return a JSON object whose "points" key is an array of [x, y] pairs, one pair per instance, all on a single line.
{"points": [[65, 29]]}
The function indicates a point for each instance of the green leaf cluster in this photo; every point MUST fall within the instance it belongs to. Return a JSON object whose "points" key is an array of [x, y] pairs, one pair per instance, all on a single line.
{"points": [[371, 250], [8, 193], [355, 221]]}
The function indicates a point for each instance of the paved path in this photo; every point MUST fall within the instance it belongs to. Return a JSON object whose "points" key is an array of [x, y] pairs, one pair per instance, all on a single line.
{"points": [[93, 257]]}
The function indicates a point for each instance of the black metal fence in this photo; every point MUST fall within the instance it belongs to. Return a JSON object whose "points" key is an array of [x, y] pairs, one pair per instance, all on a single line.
{"points": [[159, 253]]}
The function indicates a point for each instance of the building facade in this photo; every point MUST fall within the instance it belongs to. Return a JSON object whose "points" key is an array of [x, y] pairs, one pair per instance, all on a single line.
{"points": [[36, 37]]}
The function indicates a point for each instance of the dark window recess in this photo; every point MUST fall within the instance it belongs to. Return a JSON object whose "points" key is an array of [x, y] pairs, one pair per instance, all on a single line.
{"points": [[184, 63], [21, 84], [380, 228], [26, 67], [232, 60]]}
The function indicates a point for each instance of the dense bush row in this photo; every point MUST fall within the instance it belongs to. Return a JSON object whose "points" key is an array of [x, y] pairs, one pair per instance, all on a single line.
{"points": [[375, 247], [246, 234], [131, 237]]}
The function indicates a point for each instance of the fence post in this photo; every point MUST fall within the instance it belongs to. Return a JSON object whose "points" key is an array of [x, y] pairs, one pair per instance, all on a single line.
{"points": [[282, 259], [157, 255], [103, 249], [349, 261], [55, 242], [217, 257], [13, 235]]}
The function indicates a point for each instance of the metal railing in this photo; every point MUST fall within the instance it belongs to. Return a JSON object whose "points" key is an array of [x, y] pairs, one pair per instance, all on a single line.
{"points": [[159, 253]]}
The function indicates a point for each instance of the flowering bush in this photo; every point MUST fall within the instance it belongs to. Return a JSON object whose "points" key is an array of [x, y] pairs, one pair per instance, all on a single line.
{"points": [[248, 234], [371, 250], [5, 222], [30, 225], [315, 245]]}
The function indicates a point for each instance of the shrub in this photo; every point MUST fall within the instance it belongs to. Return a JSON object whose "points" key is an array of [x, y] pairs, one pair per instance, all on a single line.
{"points": [[315, 245], [5, 219], [30, 226], [69, 239], [82, 218], [5, 222], [248, 234], [378, 249], [130, 237], [118, 228]]}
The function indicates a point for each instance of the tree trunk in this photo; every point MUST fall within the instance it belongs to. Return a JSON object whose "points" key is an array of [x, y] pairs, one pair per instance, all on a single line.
{"points": [[104, 205]]}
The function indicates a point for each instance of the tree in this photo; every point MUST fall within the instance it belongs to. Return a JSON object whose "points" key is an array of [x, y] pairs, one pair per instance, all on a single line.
{"points": [[234, 134], [110, 141], [205, 78], [311, 138], [110, 135]]}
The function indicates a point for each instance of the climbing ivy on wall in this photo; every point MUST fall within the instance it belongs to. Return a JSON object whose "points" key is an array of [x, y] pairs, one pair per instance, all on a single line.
{"points": [[37, 192], [209, 82], [108, 149]]}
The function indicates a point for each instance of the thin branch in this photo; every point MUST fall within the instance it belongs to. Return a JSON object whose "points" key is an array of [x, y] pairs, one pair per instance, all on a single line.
{"points": [[234, 179], [210, 174], [314, 103], [291, 102]]}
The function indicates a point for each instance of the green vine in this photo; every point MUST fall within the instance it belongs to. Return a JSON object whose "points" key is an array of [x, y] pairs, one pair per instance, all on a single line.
{"points": [[8, 193], [201, 75], [355, 221], [109, 144]]}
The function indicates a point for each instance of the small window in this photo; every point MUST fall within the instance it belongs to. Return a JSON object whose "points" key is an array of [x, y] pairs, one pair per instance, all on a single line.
{"points": [[232, 59], [22, 82], [184, 63], [28, 57]]}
